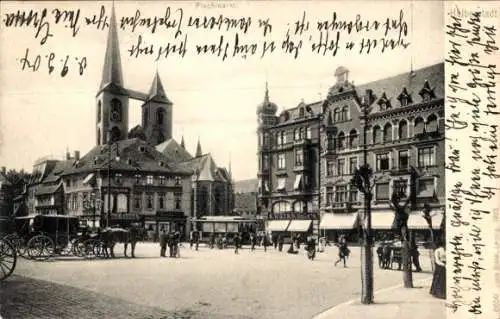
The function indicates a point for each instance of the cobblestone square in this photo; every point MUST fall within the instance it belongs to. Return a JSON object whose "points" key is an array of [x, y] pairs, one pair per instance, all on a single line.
{"points": [[201, 284]]}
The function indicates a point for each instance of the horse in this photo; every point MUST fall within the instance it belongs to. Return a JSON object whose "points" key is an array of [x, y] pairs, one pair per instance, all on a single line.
{"points": [[112, 235]]}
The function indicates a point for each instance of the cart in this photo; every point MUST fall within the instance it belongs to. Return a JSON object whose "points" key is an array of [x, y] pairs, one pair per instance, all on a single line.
{"points": [[51, 235], [8, 258]]}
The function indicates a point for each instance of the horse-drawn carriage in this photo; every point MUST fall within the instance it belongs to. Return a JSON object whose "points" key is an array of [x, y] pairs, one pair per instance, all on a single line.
{"points": [[8, 258]]}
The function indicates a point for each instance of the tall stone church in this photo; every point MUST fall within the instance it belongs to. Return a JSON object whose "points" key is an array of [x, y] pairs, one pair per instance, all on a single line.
{"points": [[113, 102]]}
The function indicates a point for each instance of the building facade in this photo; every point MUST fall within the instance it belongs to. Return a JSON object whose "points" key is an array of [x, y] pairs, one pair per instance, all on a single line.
{"points": [[308, 154]]}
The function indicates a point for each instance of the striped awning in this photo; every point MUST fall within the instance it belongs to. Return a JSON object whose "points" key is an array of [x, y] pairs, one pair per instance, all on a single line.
{"points": [[278, 225], [338, 221]]}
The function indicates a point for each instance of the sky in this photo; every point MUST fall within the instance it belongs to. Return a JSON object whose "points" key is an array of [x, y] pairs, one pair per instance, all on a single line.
{"points": [[215, 101]]}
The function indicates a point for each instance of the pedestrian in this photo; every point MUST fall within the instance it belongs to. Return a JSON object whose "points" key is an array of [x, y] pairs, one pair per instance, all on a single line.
{"points": [[438, 287], [197, 240], [253, 241], [191, 239], [265, 242], [236, 243], [280, 242], [415, 254], [299, 239], [177, 241], [212, 240], [275, 242], [170, 243], [163, 242], [343, 251], [311, 248]]}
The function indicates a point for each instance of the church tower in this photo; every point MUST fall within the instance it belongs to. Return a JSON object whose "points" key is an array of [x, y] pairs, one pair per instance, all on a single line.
{"points": [[157, 114], [266, 116], [112, 99]]}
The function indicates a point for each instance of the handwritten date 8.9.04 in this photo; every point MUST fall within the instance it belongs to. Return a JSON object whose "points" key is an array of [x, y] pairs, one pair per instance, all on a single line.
{"points": [[60, 64]]}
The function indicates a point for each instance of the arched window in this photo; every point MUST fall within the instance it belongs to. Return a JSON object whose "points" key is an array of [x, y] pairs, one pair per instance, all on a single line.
{"points": [[302, 133], [301, 112], [330, 142], [336, 115], [281, 207], [343, 116], [353, 139], [432, 124], [115, 134], [116, 110], [296, 134], [388, 132], [403, 129], [145, 117], [377, 135], [330, 118], [308, 132], [99, 110], [298, 206], [341, 141], [419, 126], [160, 114]]}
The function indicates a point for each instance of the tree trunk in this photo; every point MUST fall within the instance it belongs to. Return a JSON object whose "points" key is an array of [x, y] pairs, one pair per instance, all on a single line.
{"points": [[367, 292], [407, 269]]}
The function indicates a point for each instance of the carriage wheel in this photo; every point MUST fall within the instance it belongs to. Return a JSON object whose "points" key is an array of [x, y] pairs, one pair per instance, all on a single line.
{"points": [[87, 249], [99, 249], [40, 247], [18, 242], [8, 258]]}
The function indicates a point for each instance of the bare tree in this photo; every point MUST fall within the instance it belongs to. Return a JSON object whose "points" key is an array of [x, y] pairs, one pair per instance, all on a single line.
{"points": [[401, 212]]}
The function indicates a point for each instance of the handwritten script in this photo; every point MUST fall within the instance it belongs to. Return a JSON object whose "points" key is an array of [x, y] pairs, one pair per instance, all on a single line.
{"points": [[236, 37], [472, 176]]}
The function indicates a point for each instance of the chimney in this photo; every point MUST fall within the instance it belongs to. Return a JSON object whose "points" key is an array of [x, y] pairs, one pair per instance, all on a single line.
{"points": [[4, 170], [68, 156], [77, 155]]}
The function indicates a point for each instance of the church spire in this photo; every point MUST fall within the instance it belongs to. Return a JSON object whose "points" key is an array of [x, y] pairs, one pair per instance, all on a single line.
{"points": [[198, 149], [112, 69], [156, 90], [266, 97], [182, 142]]}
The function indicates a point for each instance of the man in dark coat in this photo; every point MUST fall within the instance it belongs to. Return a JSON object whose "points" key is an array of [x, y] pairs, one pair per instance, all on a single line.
{"points": [[415, 254], [163, 242], [236, 243], [280, 242], [253, 241]]}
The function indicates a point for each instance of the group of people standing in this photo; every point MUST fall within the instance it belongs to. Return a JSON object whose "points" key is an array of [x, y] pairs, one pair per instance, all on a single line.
{"points": [[172, 240]]}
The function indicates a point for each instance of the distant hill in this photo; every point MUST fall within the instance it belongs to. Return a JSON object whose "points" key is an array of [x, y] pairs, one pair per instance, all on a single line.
{"points": [[246, 186]]}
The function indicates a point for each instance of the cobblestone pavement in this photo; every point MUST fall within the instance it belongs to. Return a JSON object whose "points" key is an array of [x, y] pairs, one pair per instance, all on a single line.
{"points": [[218, 283], [26, 298]]}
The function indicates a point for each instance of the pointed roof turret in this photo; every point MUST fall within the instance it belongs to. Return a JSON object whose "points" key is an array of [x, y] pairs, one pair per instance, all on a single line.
{"points": [[198, 149], [267, 106], [156, 91], [182, 142], [112, 69]]}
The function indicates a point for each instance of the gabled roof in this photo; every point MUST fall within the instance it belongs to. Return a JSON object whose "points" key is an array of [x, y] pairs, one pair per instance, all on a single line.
{"points": [[206, 169], [47, 190], [134, 155], [58, 170], [173, 151], [413, 82]]}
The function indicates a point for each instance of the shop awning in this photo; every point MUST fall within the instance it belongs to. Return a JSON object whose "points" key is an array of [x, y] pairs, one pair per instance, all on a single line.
{"points": [[299, 225], [338, 221], [277, 225], [382, 220], [417, 221]]}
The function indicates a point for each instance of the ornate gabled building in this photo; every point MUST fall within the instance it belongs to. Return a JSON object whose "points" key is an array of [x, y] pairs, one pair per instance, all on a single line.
{"points": [[308, 154]]}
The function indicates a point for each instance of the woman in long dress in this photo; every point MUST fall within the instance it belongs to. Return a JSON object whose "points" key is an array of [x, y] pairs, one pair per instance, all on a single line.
{"points": [[438, 287]]}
